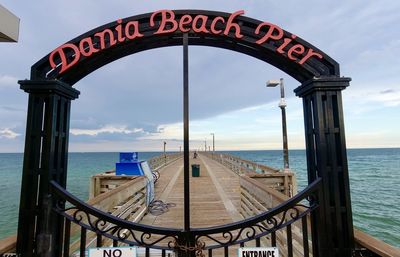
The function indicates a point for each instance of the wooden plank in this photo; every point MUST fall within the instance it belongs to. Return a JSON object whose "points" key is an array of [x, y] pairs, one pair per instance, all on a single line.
{"points": [[379, 247], [229, 206], [8, 244], [254, 201], [131, 203], [207, 205], [253, 183]]}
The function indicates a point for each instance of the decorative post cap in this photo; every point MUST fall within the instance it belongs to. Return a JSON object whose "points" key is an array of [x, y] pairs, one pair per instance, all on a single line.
{"points": [[322, 84], [49, 86]]}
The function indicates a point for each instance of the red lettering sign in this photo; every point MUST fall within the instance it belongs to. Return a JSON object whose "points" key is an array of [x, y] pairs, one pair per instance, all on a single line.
{"points": [[165, 22], [61, 53]]}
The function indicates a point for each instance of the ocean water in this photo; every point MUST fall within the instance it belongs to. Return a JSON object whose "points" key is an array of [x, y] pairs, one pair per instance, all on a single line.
{"points": [[374, 182]]}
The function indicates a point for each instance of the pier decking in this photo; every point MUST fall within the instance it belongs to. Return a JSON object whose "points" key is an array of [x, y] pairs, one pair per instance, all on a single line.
{"points": [[214, 196], [228, 189]]}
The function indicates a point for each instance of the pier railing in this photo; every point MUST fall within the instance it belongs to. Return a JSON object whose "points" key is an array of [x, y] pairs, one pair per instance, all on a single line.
{"points": [[257, 198], [284, 182], [265, 227], [108, 229], [121, 196], [200, 242], [271, 219], [160, 161], [238, 165], [127, 201], [106, 181]]}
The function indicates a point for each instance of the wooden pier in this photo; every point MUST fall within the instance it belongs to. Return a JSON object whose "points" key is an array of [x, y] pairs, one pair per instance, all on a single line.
{"points": [[228, 190], [217, 196], [214, 196]]}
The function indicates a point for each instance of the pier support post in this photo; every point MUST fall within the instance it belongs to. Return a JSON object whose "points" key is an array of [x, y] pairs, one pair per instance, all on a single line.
{"points": [[45, 159], [327, 159]]}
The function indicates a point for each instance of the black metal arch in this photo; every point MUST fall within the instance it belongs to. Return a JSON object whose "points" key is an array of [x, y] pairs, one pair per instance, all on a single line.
{"points": [[266, 52], [50, 94]]}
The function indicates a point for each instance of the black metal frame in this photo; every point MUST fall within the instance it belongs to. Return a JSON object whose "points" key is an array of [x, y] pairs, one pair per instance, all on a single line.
{"points": [[327, 159], [46, 148], [246, 45], [130, 233]]}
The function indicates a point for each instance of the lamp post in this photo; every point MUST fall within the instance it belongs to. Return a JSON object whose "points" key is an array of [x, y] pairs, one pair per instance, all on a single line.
{"points": [[165, 155], [205, 145], [213, 141], [282, 105]]}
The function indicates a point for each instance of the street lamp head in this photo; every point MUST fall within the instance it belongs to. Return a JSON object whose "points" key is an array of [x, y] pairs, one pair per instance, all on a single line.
{"points": [[273, 83]]}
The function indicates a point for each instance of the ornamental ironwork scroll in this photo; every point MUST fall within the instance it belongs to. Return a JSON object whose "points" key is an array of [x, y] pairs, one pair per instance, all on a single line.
{"points": [[240, 232]]}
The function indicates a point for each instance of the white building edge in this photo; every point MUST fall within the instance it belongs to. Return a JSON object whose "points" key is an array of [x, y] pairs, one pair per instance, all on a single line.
{"points": [[9, 26]]}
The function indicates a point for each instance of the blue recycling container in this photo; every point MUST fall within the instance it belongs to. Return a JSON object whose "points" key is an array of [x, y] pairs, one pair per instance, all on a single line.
{"points": [[128, 157], [128, 169], [128, 165]]}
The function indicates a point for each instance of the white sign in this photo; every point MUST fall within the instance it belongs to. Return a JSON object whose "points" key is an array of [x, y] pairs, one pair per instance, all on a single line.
{"points": [[113, 252], [258, 252]]}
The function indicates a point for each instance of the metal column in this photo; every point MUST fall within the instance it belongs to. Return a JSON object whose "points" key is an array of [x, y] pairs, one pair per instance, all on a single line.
{"points": [[45, 159], [327, 159], [186, 132]]}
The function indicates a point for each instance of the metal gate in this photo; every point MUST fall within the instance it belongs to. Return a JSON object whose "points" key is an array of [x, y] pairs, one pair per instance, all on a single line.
{"points": [[195, 242], [44, 221]]}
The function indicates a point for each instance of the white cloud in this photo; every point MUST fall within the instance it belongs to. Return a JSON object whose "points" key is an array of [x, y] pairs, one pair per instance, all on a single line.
{"points": [[376, 138], [8, 81], [172, 131], [361, 101], [257, 127], [8, 133], [111, 129], [229, 98], [388, 97]]}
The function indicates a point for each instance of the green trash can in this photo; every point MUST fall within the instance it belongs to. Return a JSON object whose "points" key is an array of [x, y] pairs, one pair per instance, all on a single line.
{"points": [[195, 170]]}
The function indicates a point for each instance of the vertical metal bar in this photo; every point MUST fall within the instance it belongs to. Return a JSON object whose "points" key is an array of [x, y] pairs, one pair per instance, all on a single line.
{"points": [[285, 140], [226, 251], [273, 239], [30, 177], [258, 243], [305, 236], [284, 127], [115, 243], [147, 252], [99, 241], [186, 192], [67, 233], [289, 240], [61, 236], [163, 253], [83, 242], [209, 252], [242, 244]]}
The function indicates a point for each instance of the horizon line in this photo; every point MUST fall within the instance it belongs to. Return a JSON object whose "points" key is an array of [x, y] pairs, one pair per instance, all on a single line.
{"points": [[247, 150]]}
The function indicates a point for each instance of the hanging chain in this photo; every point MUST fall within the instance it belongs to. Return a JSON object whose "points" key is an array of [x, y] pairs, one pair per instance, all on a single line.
{"points": [[198, 248]]}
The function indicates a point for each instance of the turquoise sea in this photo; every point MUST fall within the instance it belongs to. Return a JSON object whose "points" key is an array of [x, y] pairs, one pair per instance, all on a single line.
{"points": [[374, 178]]}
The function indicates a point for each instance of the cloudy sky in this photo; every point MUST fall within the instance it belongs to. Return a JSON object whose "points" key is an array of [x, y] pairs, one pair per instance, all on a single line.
{"points": [[135, 103]]}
